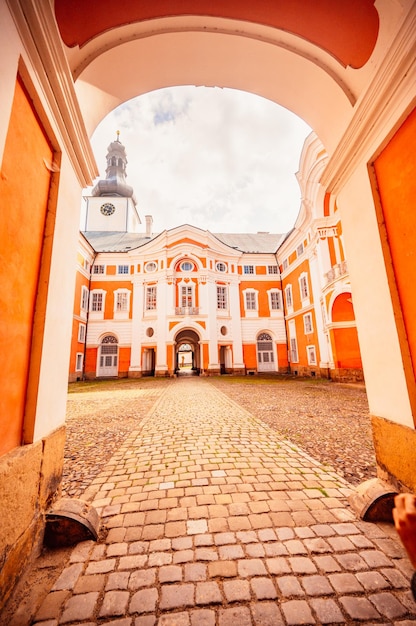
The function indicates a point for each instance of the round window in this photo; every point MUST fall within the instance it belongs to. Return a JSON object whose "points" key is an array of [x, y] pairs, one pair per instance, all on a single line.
{"points": [[150, 267], [150, 331], [223, 330], [221, 267], [187, 266]]}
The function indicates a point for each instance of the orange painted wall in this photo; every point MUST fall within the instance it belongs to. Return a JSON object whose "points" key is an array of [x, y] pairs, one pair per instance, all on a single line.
{"points": [[124, 355], [293, 279], [345, 348], [342, 309], [24, 192], [91, 360], [110, 288], [76, 346], [282, 355], [205, 355], [395, 170], [250, 356], [331, 248]]}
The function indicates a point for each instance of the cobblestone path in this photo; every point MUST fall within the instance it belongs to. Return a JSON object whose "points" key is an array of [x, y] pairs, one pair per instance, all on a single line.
{"points": [[211, 519]]}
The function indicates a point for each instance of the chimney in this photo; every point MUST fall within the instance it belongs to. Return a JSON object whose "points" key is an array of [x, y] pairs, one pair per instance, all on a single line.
{"points": [[149, 222]]}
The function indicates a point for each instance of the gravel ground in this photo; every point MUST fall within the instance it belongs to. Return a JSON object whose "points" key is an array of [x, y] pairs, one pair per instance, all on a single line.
{"points": [[329, 421]]}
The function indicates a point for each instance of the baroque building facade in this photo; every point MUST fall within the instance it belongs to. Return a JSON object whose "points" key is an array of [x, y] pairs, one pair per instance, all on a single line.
{"points": [[233, 303], [347, 68]]}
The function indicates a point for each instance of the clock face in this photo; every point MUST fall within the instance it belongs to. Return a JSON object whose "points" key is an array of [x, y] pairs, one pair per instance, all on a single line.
{"points": [[107, 209]]}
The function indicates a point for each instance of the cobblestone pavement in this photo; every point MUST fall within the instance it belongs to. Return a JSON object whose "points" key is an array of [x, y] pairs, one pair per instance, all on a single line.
{"points": [[210, 518]]}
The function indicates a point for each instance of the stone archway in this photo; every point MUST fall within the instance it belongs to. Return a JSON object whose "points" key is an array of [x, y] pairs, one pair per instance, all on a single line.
{"points": [[190, 339]]}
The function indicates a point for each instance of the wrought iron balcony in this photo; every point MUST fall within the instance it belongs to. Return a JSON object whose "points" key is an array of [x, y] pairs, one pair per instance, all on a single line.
{"points": [[187, 310]]}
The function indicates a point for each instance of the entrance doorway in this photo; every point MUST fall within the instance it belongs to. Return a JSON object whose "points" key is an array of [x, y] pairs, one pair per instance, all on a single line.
{"points": [[108, 357], [265, 353], [187, 353]]}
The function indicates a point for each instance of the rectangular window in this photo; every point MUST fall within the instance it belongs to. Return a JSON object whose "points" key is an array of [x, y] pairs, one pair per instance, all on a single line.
{"points": [[98, 269], [123, 269], [272, 269], [311, 355], [304, 289], [97, 302], [221, 297], [251, 301], [289, 300], [285, 264], [293, 350], [186, 296], [307, 323], [81, 333], [84, 299], [151, 298], [299, 249], [121, 302], [248, 269], [275, 301], [79, 361]]}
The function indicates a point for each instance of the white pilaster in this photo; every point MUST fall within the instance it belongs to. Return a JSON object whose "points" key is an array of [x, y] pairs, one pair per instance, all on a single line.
{"points": [[137, 315], [234, 295]]}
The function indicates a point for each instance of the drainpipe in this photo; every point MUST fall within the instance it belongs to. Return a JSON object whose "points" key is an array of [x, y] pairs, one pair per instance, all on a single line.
{"points": [[88, 316]]}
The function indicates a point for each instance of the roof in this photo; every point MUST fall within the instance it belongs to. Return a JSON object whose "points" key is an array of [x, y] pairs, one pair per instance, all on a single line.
{"points": [[252, 242], [256, 243]]}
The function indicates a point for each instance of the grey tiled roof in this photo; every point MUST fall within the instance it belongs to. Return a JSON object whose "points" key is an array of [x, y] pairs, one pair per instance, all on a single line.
{"points": [[244, 242]]}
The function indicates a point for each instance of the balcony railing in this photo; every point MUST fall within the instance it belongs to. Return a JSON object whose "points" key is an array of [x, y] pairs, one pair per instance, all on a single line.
{"points": [[336, 271], [187, 310]]}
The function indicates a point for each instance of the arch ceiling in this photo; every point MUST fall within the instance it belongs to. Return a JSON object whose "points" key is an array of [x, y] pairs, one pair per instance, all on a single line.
{"points": [[308, 57]]}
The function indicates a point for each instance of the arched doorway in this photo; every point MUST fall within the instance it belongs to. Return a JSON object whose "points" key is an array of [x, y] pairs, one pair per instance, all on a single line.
{"points": [[187, 352], [266, 361], [107, 358]]}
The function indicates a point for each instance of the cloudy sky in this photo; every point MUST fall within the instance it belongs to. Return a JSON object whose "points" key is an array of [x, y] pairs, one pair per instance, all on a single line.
{"points": [[219, 159]]}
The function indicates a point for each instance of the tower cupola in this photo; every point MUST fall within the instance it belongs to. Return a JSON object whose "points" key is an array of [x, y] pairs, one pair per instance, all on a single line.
{"points": [[115, 183]]}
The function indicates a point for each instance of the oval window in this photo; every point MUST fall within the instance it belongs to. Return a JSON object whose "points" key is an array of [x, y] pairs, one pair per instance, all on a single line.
{"points": [[187, 266], [221, 267], [150, 267], [150, 331], [223, 330]]}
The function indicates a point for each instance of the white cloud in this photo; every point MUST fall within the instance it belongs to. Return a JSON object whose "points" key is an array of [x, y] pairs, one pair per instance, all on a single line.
{"points": [[219, 159]]}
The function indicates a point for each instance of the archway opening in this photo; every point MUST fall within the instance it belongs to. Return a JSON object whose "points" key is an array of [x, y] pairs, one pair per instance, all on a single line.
{"points": [[187, 353]]}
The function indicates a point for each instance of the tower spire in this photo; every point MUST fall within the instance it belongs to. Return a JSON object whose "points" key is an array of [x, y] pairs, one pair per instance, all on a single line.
{"points": [[115, 183]]}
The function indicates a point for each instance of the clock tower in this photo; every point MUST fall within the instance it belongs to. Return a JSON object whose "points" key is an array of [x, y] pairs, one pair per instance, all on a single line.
{"points": [[112, 206]]}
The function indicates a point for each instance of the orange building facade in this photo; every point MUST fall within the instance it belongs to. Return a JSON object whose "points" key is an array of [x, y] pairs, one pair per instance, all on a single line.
{"points": [[238, 303], [348, 69]]}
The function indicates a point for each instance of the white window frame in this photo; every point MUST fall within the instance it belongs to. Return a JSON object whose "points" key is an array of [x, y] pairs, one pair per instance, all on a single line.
{"points": [[251, 302], [308, 323], [94, 295], [150, 298], [300, 249], [272, 269], [79, 361], [98, 269], [285, 264], [82, 333], [294, 355], [289, 297], [248, 269], [220, 266], [311, 354], [304, 288], [273, 294], [121, 296], [150, 267], [123, 269], [222, 297], [84, 300], [187, 295]]}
